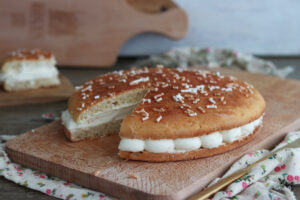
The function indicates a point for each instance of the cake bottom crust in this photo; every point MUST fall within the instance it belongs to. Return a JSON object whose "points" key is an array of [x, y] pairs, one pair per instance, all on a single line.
{"points": [[189, 155]]}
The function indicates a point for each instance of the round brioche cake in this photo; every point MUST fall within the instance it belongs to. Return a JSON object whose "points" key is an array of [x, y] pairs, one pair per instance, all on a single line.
{"points": [[165, 114]]}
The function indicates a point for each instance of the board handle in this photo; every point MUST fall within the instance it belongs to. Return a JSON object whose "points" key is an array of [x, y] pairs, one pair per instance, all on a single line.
{"points": [[172, 22]]}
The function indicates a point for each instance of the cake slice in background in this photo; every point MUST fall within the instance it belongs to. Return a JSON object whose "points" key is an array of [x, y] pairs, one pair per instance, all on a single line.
{"points": [[28, 69]]}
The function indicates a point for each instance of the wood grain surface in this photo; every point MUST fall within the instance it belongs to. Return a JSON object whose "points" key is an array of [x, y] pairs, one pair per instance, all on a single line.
{"points": [[88, 33], [47, 149], [40, 95]]}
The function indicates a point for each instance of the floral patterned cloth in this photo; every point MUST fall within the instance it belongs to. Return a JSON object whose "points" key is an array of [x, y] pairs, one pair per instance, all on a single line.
{"points": [[270, 179], [49, 117], [212, 58], [39, 181]]}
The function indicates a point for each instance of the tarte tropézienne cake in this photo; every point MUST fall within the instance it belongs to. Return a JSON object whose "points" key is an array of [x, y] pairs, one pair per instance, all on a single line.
{"points": [[165, 114]]}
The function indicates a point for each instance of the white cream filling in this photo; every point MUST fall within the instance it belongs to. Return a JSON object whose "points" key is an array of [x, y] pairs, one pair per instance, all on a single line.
{"points": [[234, 134], [159, 146], [212, 140], [30, 71], [100, 118], [135, 144], [188, 143]]}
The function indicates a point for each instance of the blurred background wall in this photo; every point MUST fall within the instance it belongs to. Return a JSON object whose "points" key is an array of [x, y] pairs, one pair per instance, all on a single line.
{"points": [[262, 27]]}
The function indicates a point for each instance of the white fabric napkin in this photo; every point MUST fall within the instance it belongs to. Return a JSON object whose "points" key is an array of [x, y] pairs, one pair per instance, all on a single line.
{"points": [[185, 57]]}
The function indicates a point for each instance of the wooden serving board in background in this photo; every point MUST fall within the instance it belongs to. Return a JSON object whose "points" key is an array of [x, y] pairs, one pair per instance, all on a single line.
{"points": [[40, 95], [85, 33], [48, 150]]}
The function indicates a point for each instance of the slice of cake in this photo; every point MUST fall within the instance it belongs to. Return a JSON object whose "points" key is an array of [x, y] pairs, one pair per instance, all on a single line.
{"points": [[28, 69], [165, 114]]}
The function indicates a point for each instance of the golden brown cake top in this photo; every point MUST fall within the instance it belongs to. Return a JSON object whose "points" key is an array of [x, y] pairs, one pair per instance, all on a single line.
{"points": [[172, 94], [24, 54]]}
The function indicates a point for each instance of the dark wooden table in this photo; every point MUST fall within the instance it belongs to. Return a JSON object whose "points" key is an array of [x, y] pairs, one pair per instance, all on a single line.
{"points": [[15, 120]]}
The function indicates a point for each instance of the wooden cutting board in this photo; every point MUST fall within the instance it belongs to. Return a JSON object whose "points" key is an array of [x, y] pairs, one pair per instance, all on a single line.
{"points": [[85, 33], [41, 95], [48, 150]]}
